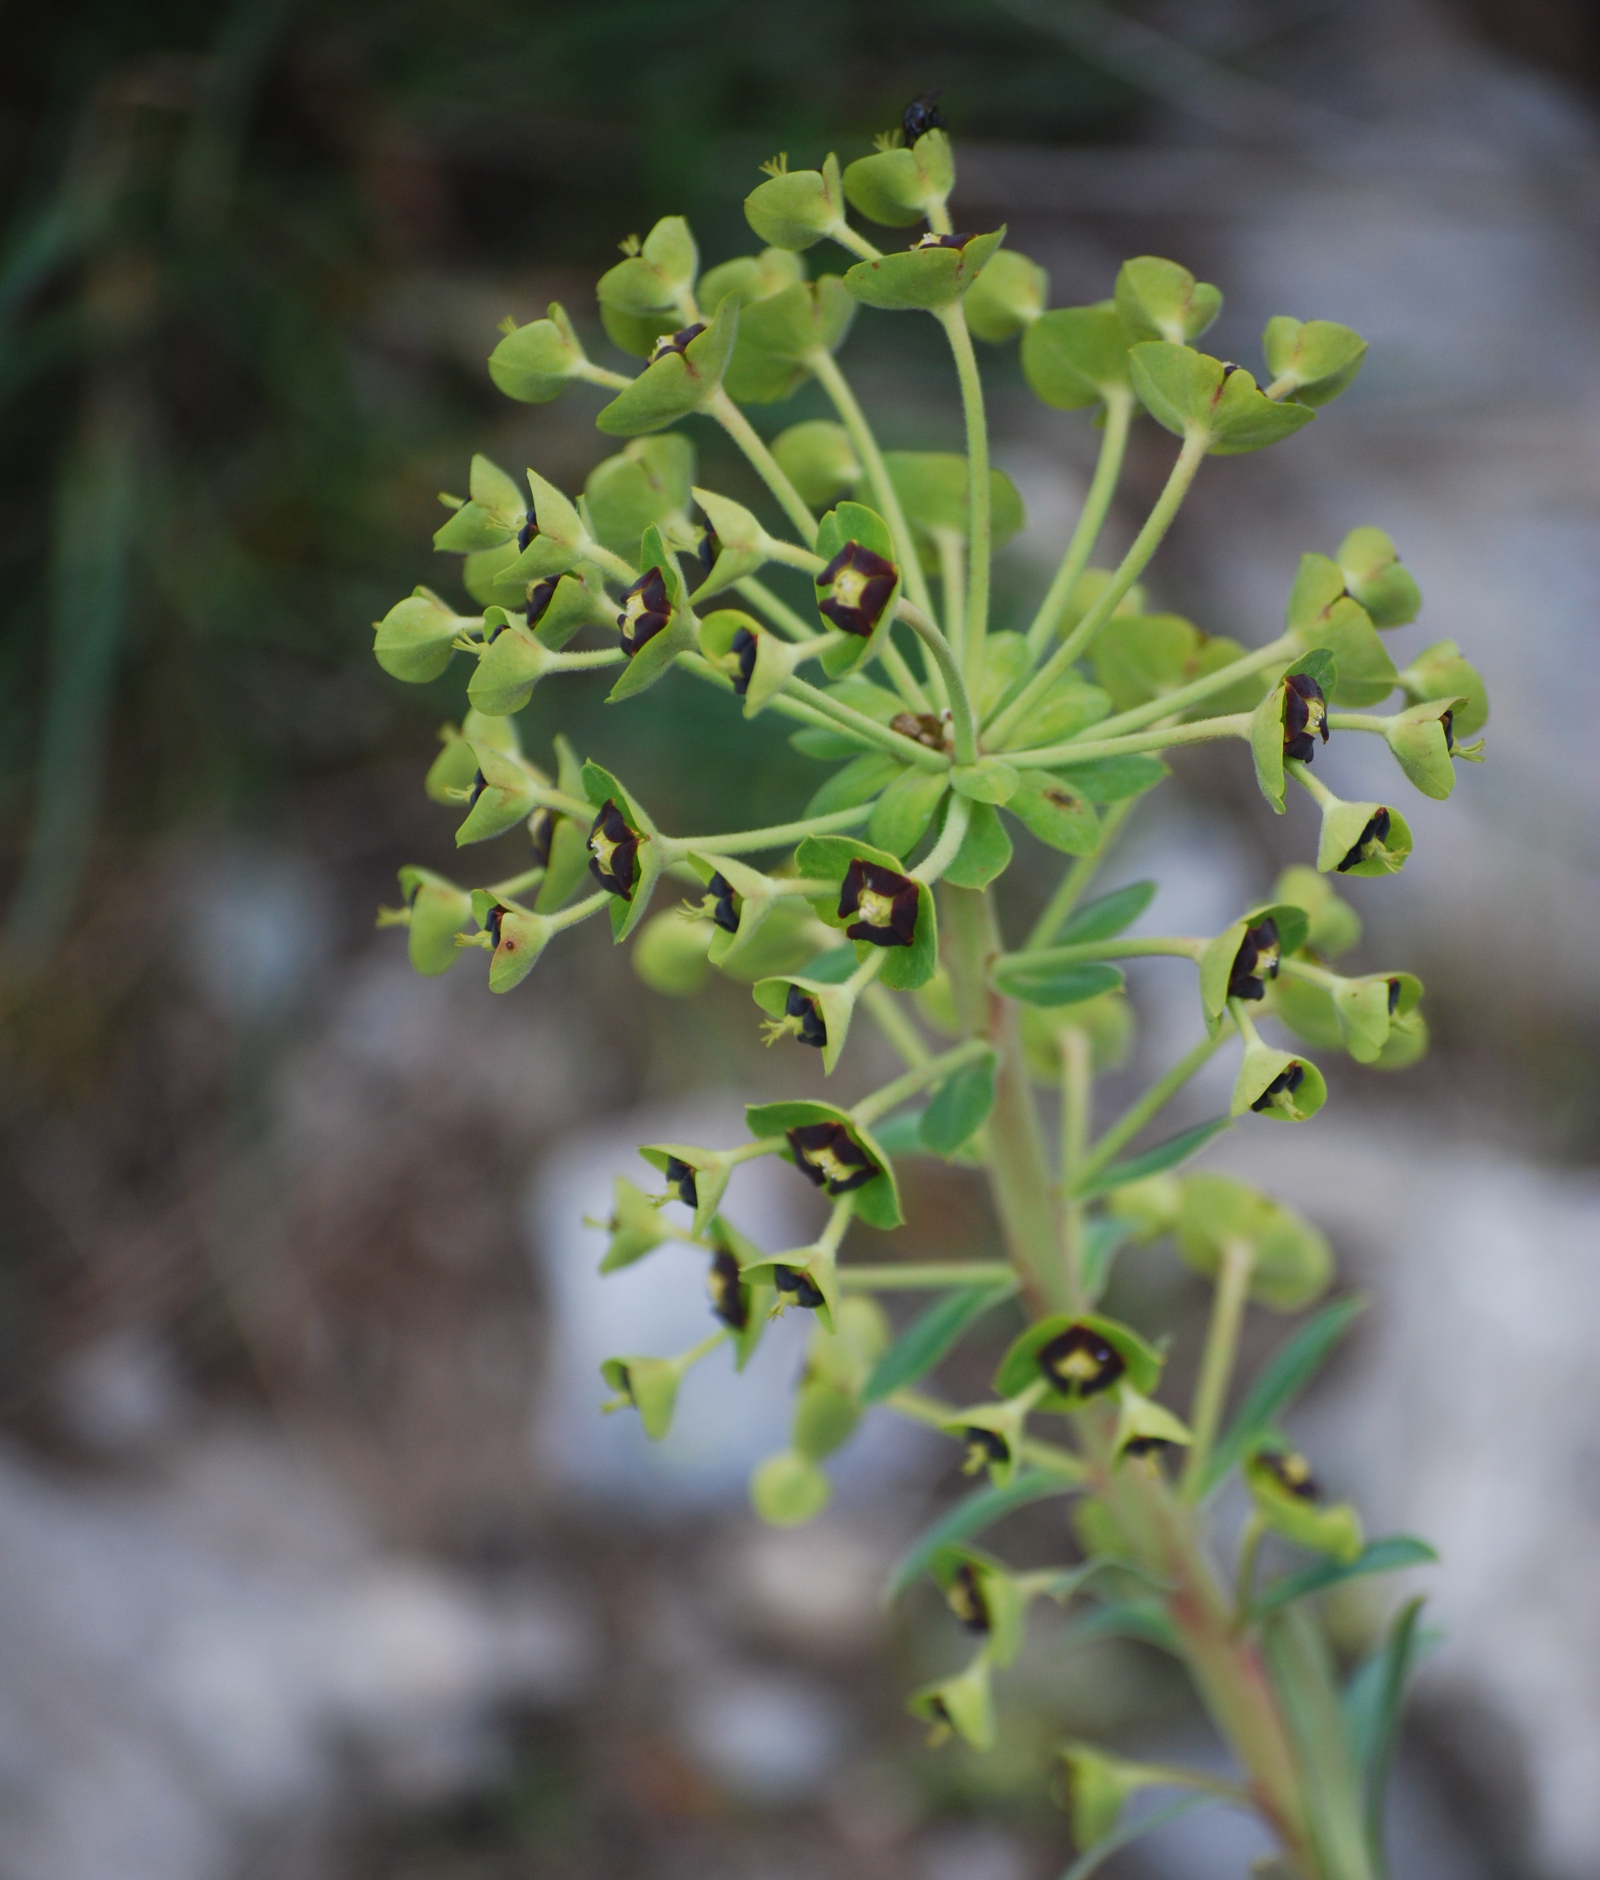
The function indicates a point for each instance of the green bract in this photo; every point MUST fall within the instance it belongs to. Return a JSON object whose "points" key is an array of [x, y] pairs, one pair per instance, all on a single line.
{"points": [[843, 599]]}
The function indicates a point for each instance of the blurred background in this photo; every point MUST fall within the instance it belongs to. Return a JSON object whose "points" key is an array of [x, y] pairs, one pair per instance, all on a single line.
{"points": [[315, 1558]]}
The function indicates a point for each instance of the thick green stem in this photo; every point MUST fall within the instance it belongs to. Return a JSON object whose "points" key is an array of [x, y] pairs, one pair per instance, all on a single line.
{"points": [[1019, 1173], [938, 859], [1096, 505], [926, 1276], [1133, 564], [1216, 1366], [778, 836], [979, 528], [1146, 947], [738, 426]]}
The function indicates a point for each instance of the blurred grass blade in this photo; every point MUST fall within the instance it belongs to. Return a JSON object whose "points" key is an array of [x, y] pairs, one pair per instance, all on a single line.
{"points": [[1164, 1155], [1095, 1857], [1372, 1704], [1385, 1556], [1281, 1382], [970, 1517], [927, 1339]]}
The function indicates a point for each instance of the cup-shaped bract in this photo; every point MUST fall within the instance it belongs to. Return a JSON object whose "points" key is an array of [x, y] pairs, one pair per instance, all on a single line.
{"points": [[1146, 1428], [1362, 839], [985, 1598], [437, 911], [684, 372], [1289, 719], [835, 1153], [536, 362], [788, 1489], [1073, 357], [1007, 298], [819, 460], [794, 209], [1321, 614], [1159, 300], [415, 639], [1423, 741], [493, 513], [1311, 361], [670, 954], [1291, 1263], [902, 185], [648, 1385], [1334, 926], [657, 277], [1278, 1085], [1191, 394], [932, 274], [1440, 672], [1077, 1358], [503, 794], [649, 480], [1374, 577], [749, 278], [962, 1705]]}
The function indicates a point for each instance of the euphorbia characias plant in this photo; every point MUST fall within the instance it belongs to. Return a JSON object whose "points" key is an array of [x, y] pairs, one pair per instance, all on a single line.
{"points": [[943, 731]]}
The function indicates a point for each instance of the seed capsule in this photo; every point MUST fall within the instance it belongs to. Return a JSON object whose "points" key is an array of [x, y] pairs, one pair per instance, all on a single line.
{"points": [[859, 583], [614, 851], [1285, 1084], [646, 609], [885, 905], [1305, 716], [965, 1594], [1080, 1362], [730, 1301], [1372, 837], [1256, 961], [828, 1155]]}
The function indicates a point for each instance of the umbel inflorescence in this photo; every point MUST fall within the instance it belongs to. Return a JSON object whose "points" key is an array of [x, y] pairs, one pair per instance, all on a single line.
{"points": [[943, 733]]}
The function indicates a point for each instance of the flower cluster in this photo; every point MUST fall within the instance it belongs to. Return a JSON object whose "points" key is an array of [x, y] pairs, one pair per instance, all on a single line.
{"points": [[853, 613]]}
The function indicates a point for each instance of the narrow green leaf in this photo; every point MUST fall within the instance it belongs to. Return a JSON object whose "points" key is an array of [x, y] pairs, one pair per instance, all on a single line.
{"points": [[900, 1134], [1095, 1857], [1164, 1155], [1142, 1619], [1372, 1703], [962, 1106], [1110, 915], [1281, 1382], [1068, 984], [1101, 1241], [927, 1340], [972, 1516], [1385, 1556]]}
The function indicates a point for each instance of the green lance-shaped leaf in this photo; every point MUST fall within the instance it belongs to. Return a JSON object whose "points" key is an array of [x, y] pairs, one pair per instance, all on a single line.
{"points": [[833, 1158], [1289, 719], [788, 1490], [1008, 297], [971, 1517], [1374, 577], [1321, 613], [1189, 393], [900, 187], [437, 911], [1073, 357], [1390, 1555], [537, 362], [1067, 708], [932, 274], [985, 851], [1335, 926], [902, 814], [654, 279], [1110, 915], [1362, 839], [1057, 808], [819, 459], [1366, 1009], [1287, 1498], [647, 481], [960, 1108], [1054, 983], [962, 1705], [1159, 300], [854, 783], [796, 208], [1314, 360], [1278, 1085], [1300, 1666], [1372, 1704], [678, 379], [989, 780], [1170, 1154], [931, 1337], [1286, 1374], [1079, 1358], [1291, 1261], [1440, 672], [415, 639], [1113, 779]]}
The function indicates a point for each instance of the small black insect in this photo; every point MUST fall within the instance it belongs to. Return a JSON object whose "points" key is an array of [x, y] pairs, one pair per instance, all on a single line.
{"points": [[923, 115]]}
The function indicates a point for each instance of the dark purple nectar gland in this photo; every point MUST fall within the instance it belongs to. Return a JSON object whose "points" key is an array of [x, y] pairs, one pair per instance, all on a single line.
{"points": [[646, 609], [1447, 724], [859, 583], [725, 904], [799, 1287], [1285, 1084], [744, 647], [930, 240], [1305, 716], [541, 832], [540, 596], [1394, 997], [492, 925], [480, 783], [921, 727], [1080, 1363], [1290, 1471], [923, 115], [1372, 837], [708, 551], [677, 342], [529, 529], [829, 1156], [965, 1595], [729, 1299], [1256, 961], [681, 1177], [1146, 1445], [811, 1028], [983, 1448], [614, 851], [884, 903]]}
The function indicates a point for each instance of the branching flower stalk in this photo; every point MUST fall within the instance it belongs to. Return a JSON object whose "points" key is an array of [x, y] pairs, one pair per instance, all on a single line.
{"points": [[878, 894]]}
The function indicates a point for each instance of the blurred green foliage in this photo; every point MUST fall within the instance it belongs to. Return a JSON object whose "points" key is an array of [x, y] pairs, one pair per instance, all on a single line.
{"points": [[223, 434]]}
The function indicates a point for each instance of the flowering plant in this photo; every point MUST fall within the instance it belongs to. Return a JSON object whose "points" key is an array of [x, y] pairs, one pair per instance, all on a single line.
{"points": [[945, 730]]}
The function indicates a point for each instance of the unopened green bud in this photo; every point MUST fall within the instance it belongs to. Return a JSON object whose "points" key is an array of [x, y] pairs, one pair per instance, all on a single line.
{"points": [[1311, 361], [537, 362], [788, 1489], [1158, 300], [1007, 297], [415, 639], [1441, 672], [1374, 576], [670, 954], [902, 185], [795, 208], [1335, 926], [819, 460], [1150, 1207], [750, 277]]}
